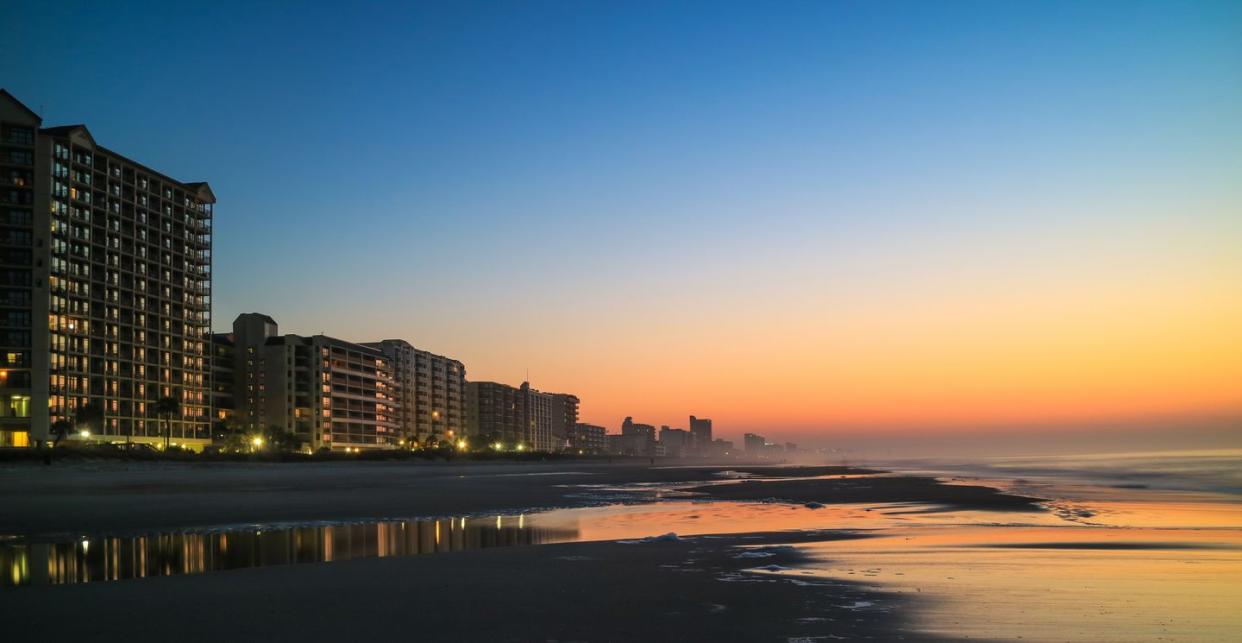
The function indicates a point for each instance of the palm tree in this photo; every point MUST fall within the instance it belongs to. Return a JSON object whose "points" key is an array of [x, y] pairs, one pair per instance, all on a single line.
{"points": [[90, 415], [60, 428], [165, 408]]}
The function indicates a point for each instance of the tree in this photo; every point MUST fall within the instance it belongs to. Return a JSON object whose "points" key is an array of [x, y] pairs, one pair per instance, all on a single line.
{"points": [[60, 428], [165, 408], [282, 441]]}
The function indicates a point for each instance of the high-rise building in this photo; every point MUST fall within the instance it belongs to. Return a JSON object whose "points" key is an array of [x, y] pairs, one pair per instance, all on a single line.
{"points": [[754, 443], [563, 409], [327, 392], [517, 417], [674, 441], [494, 414], [701, 434], [223, 384], [105, 289], [432, 390]]}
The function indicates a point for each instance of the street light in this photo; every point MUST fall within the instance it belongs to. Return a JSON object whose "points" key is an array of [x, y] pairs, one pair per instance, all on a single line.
{"points": [[257, 441], [84, 433]]}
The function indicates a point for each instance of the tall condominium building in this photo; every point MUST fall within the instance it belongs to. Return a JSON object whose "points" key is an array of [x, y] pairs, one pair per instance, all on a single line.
{"points": [[754, 442], [328, 392], [517, 416], [701, 434], [432, 392], [537, 418], [105, 288], [495, 414], [588, 438], [563, 416], [223, 383]]}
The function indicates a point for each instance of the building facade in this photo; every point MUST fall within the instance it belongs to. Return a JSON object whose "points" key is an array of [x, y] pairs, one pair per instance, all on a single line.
{"points": [[676, 442], [700, 435], [494, 414], [432, 392], [329, 393], [563, 409], [520, 418], [223, 384], [105, 289], [588, 438], [637, 439]]}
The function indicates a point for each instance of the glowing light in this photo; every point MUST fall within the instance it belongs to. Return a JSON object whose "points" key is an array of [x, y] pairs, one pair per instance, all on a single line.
{"points": [[521, 447], [257, 441], [84, 433], [498, 446], [461, 445]]}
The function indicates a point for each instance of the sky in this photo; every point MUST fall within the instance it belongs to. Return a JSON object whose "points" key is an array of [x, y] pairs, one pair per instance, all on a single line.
{"points": [[820, 221]]}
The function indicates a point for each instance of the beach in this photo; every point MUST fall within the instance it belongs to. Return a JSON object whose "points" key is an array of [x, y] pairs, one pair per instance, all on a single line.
{"points": [[580, 551]]}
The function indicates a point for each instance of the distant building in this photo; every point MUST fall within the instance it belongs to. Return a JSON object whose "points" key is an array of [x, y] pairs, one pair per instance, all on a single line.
{"points": [[105, 291], [721, 449], [676, 442], [790, 447], [614, 444], [754, 443], [432, 392], [638, 439], [701, 434], [588, 438], [328, 392]]}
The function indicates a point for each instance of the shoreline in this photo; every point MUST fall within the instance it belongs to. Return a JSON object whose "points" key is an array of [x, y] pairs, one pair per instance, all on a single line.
{"points": [[121, 498], [647, 589]]}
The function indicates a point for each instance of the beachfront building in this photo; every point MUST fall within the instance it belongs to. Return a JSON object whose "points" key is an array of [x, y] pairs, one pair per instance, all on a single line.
{"points": [[637, 439], [517, 418], [563, 416], [329, 393], [588, 438], [754, 443], [223, 384], [721, 449], [105, 290], [700, 435], [494, 415], [675, 442], [432, 392]]}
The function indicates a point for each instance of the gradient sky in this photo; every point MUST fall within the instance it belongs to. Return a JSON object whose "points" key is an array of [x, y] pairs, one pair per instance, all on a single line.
{"points": [[809, 219]]}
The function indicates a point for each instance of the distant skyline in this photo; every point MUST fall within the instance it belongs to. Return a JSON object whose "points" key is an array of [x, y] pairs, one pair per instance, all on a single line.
{"points": [[807, 220]]}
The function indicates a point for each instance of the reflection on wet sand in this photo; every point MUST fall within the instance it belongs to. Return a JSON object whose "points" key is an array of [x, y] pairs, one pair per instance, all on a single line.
{"points": [[85, 560], [1065, 583]]}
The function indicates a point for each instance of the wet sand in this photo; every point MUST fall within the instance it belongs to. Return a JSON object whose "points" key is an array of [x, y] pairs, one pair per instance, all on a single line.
{"points": [[695, 589], [692, 588], [112, 497], [872, 489]]}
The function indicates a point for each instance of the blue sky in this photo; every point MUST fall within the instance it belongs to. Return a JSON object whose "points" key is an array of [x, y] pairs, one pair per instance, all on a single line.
{"points": [[502, 181]]}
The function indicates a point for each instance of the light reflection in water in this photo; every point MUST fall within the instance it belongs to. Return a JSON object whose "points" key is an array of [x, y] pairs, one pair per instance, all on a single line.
{"points": [[171, 554]]}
